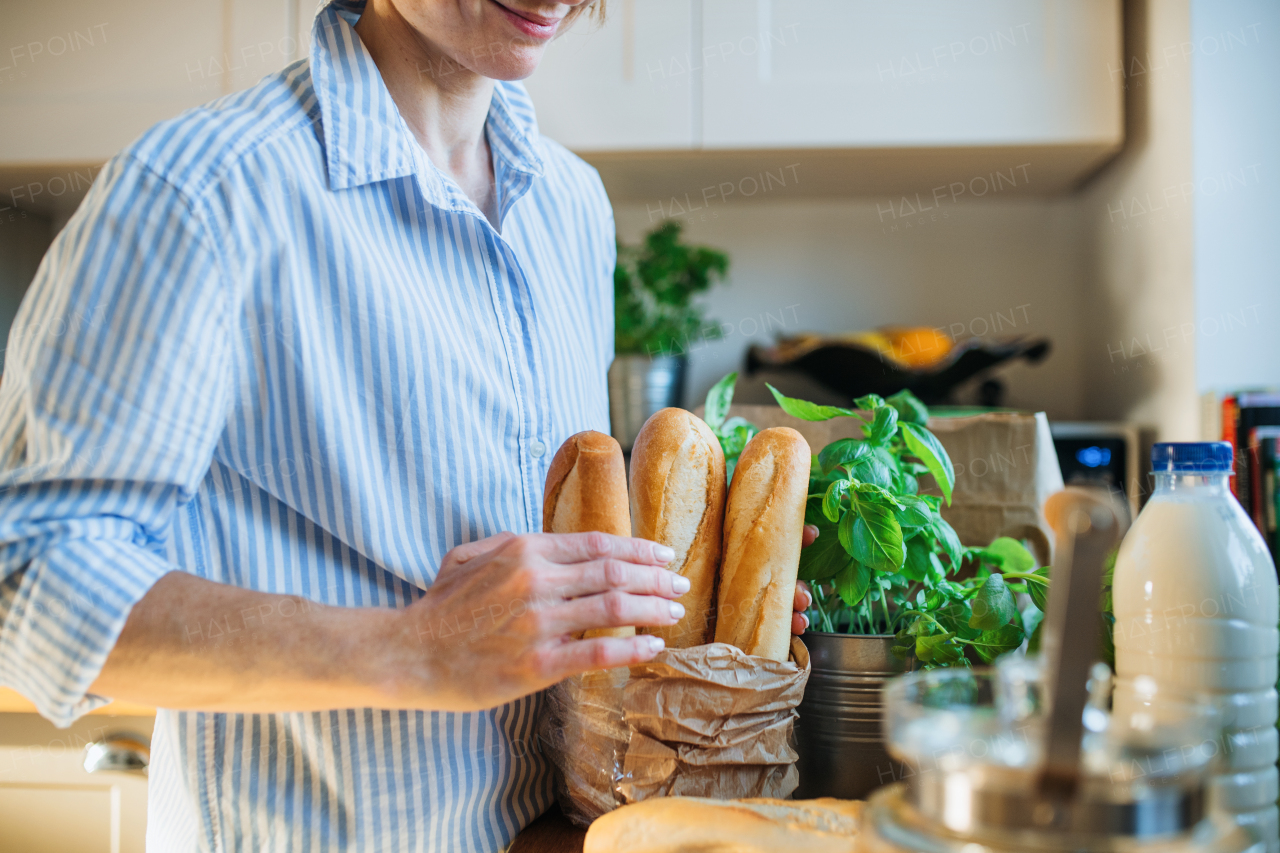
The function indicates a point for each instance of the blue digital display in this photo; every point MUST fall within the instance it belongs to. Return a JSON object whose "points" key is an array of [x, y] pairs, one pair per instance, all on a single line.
{"points": [[1093, 457]]}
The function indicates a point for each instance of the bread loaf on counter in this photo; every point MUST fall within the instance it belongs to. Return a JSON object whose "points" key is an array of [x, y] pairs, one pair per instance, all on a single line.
{"points": [[586, 491], [684, 824], [677, 499], [763, 530]]}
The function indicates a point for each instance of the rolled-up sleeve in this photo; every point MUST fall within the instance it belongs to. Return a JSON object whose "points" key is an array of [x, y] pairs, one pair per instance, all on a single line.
{"points": [[113, 398]]}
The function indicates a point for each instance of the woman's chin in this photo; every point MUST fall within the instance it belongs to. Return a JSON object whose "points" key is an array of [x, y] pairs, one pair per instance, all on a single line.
{"points": [[512, 64]]}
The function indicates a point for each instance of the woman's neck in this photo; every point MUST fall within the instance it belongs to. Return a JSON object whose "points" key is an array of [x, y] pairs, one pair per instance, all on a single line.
{"points": [[444, 103]]}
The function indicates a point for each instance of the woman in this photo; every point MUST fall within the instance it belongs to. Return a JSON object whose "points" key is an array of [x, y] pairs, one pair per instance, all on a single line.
{"points": [[349, 314]]}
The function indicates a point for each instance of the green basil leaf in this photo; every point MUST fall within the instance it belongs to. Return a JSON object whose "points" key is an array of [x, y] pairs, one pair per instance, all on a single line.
{"points": [[736, 421], [806, 411], [842, 452], [844, 531], [719, 399], [1033, 645], [907, 484], [883, 426], [870, 469], [925, 446], [867, 402], [852, 583], [825, 558], [876, 537], [950, 542], [1040, 592], [909, 408], [1031, 619], [831, 500], [937, 649], [904, 643], [992, 644], [955, 616], [916, 566], [1009, 555], [878, 494], [993, 606], [914, 513]]}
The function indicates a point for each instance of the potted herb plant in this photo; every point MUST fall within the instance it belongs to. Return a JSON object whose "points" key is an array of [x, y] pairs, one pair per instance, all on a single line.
{"points": [[656, 322], [893, 587]]}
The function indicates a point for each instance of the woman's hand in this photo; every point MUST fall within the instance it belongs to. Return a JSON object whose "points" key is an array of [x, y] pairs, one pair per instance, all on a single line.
{"points": [[500, 620], [804, 598]]}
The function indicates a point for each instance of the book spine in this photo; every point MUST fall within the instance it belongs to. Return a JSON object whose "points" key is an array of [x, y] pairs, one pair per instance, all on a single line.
{"points": [[1253, 464], [1229, 412], [1271, 482]]}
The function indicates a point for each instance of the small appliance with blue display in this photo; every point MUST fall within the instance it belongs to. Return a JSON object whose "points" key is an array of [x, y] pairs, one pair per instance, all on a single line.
{"points": [[1101, 455]]}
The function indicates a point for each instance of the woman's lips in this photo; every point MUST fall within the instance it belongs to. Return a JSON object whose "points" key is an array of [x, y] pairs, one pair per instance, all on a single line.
{"points": [[534, 26]]}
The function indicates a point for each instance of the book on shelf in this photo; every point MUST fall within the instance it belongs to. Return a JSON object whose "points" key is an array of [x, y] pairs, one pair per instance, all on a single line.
{"points": [[1264, 462], [1250, 410]]}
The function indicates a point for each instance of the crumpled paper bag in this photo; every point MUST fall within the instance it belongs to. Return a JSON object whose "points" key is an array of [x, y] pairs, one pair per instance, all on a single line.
{"points": [[710, 721]]}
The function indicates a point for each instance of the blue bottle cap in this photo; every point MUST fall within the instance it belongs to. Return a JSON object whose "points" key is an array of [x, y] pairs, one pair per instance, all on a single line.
{"points": [[1192, 457]]}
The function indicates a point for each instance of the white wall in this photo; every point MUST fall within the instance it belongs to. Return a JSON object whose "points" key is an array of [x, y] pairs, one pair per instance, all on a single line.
{"points": [[832, 266], [1138, 358], [1236, 133]]}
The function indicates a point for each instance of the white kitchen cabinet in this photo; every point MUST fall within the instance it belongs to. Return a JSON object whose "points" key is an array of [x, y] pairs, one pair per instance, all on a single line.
{"points": [[81, 79], [786, 74], [833, 73], [627, 84]]}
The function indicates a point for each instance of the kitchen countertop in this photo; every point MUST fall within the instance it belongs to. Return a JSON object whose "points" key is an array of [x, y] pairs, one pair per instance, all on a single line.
{"points": [[12, 702]]}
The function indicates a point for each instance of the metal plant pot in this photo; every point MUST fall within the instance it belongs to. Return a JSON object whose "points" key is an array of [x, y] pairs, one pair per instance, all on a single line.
{"points": [[838, 734], [638, 387]]}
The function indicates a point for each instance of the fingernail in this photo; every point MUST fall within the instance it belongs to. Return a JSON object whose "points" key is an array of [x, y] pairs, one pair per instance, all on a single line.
{"points": [[677, 609], [663, 554], [806, 619], [656, 644], [680, 584]]}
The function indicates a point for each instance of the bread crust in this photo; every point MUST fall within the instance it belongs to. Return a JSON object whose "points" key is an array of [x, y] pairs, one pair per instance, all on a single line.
{"points": [[763, 531], [677, 499], [586, 490], [671, 824]]}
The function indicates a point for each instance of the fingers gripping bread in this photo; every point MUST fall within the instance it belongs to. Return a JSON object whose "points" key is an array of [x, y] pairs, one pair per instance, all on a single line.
{"points": [[587, 491], [677, 499], [763, 528]]}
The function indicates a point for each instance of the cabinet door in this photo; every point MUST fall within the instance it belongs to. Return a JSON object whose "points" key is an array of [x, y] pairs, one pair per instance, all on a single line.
{"points": [[50, 804], [854, 73], [81, 79], [626, 85]]}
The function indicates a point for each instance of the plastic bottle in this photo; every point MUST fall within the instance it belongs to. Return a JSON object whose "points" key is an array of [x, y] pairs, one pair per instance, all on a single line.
{"points": [[1196, 608]]}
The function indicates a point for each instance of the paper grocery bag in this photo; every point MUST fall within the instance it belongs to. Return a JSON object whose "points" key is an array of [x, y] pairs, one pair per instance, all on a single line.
{"points": [[710, 721], [1005, 468]]}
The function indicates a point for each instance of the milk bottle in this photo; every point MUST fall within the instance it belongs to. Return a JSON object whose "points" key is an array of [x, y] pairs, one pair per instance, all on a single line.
{"points": [[1196, 608]]}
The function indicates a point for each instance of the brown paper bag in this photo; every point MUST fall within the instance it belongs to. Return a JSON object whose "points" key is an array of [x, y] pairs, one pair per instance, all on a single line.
{"points": [[710, 721]]}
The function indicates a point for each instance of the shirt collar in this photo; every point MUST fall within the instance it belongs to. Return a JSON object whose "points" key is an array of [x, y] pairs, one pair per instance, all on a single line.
{"points": [[366, 139]]}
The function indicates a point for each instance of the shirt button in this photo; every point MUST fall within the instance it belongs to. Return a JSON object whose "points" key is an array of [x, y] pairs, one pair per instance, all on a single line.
{"points": [[536, 449]]}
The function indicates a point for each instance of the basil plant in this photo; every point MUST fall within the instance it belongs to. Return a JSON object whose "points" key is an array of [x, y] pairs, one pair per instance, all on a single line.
{"points": [[886, 562]]}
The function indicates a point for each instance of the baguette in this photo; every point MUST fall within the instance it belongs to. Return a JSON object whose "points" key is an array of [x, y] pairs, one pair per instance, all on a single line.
{"points": [[763, 529], [684, 824], [587, 491], [677, 499]]}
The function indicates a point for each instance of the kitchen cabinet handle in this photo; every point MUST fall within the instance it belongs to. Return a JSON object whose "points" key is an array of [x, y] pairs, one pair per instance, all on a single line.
{"points": [[122, 752]]}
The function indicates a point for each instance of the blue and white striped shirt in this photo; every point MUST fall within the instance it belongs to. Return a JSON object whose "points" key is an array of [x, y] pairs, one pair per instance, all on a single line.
{"points": [[278, 349]]}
